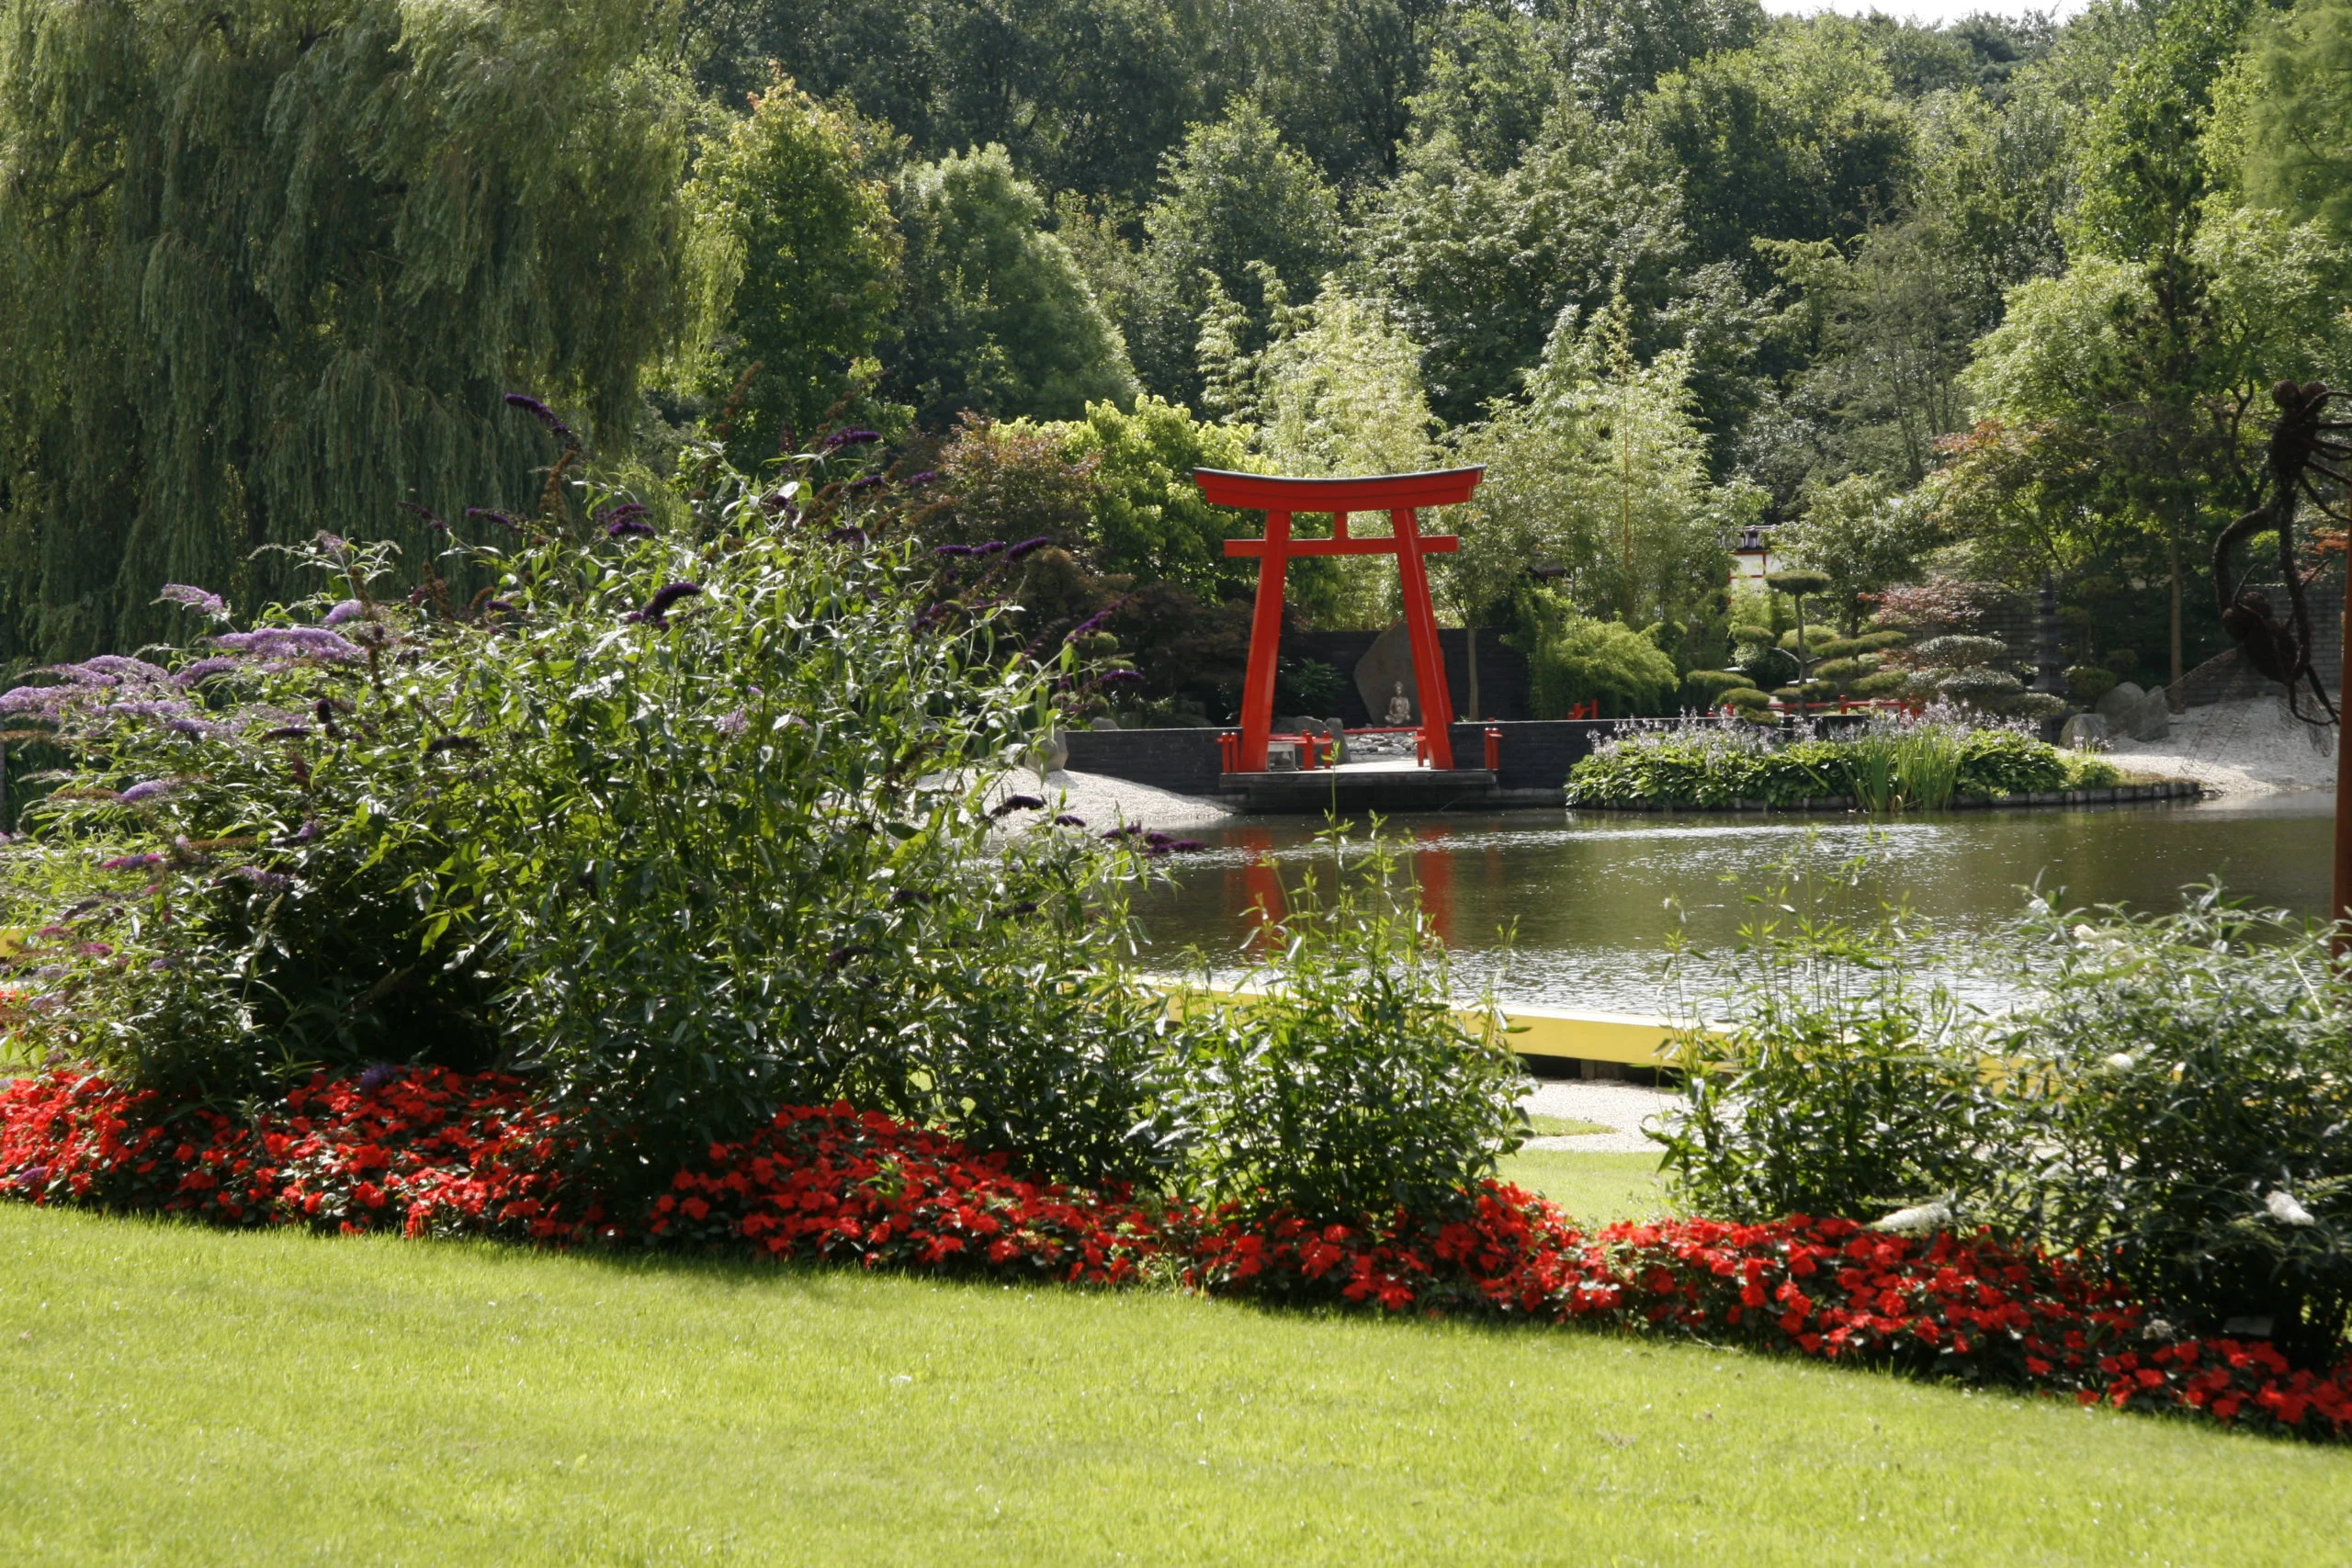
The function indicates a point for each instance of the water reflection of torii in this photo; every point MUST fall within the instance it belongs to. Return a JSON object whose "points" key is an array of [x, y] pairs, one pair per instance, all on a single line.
{"points": [[1398, 496]]}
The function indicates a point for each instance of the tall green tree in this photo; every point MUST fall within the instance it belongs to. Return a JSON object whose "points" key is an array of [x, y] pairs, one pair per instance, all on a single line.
{"points": [[801, 256], [1799, 137], [1479, 266], [268, 268], [1602, 473], [1237, 193], [997, 317], [2298, 151]]}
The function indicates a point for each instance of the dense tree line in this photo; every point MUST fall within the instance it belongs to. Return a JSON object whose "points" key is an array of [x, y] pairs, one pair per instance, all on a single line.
{"points": [[1974, 303]]}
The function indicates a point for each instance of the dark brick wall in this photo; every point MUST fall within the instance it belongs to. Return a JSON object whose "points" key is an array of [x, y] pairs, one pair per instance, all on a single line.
{"points": [[1502, 672], [1182, 759], [1534, 753]]}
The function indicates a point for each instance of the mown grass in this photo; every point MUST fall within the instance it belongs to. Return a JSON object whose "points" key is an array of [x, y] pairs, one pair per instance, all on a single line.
{"points": [[184, 1396]]}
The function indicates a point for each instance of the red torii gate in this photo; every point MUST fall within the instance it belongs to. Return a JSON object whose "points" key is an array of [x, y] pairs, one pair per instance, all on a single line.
{"points": [[1396, 494]]}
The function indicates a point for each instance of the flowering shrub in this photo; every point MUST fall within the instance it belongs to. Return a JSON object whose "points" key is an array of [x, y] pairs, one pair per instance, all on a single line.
{"points": [[1882, 767], [431, 1152], [687, 815]]}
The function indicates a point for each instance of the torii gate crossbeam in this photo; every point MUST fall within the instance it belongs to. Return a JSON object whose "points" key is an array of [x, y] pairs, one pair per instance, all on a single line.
{"points": [[1398, 496]]}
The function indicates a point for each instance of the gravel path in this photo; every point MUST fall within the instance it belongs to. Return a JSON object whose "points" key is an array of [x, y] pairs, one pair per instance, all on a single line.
{"points": [[1622, 1106], [2246, 746], [1105, 802]]}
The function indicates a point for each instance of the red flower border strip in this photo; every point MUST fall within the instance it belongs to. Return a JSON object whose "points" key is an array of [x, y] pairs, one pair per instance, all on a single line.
{"points": [[429, 1151]]}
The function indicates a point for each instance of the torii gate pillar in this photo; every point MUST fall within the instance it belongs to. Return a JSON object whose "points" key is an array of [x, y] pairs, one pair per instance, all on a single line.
{"points": [[1399, 495]]}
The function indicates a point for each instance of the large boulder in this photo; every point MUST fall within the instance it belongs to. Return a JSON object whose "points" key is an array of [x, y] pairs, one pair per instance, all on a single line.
{"points": [[1386, 664], [2117, 701], [2151, 718], [2084, 732]]}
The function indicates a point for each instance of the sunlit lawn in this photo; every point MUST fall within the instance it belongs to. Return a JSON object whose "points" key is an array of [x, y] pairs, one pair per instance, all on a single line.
{"points": [[183, 1396]]}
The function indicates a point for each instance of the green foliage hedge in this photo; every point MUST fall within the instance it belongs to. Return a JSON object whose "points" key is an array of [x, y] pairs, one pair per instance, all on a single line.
{"points": [[2171, 1102], [1579, 660], [1919, 765]]}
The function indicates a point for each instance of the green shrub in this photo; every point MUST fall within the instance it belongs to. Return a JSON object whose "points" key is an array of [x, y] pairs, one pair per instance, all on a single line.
{"points": [[1586, 660], [2089, 682], [1841, 673], [2167, 1094], [1348, 1086], [2006, 761], [685, 822], [1842, 1086], [1702, 689], [1814, 636], [1746, 698], [2197, 1073], [2086, 770]]}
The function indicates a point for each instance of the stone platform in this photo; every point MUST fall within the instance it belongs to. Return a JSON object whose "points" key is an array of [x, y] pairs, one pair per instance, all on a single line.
{"points": [[1364, 787]]}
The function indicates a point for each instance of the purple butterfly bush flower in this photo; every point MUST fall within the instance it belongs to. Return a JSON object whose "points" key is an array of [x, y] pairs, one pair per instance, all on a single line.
{"points": [[1066, 820], [347, 610], [32, 1176], [1027, 547], [490, 515], [867, 482], [204, 668], [378, 1075], [547, 417], [1013, 803], [198, 599], [657, 609], [263, 881], [132, 862], [33, 702], [503, 606], [441, 743], [153, 789], [288, 732], [841, 438], [954, 550], [432, 518], [733, 722], [916, 481], [292, 642], [846, 536], [308, 831]]}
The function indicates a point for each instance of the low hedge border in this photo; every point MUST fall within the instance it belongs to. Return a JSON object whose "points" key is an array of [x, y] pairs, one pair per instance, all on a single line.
{"points": [[2115, 795]]}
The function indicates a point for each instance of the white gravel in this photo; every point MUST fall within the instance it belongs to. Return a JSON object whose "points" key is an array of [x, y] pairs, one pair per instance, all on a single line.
{"points": [[1105, 802], [1623, 1108], [2246, 746]]}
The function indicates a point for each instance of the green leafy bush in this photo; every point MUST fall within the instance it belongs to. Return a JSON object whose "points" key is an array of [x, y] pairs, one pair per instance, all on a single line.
{"points": [[1842, 1086], [1348, 1086], [685, 821], [2089, 682], [1605, 662], [2007, 761], [2167, 1094], [1882, 767], [1702, 689], [2195, 1077], [2086, 771]]}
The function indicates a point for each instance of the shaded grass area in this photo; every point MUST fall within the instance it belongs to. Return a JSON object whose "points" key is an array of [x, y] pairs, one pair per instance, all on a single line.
{"points": [[186, 1396], [1592, 1188], [1564, 1126]]}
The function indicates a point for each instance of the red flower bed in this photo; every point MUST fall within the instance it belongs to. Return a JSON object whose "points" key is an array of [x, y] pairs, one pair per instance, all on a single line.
{"points": [[433, 1152]]}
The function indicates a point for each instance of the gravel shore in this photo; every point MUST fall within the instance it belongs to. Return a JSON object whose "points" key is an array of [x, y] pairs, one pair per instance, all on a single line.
{"points": [[2246, 746]]}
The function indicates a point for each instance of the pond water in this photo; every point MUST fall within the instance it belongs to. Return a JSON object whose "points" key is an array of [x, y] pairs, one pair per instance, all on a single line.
{"points": [[1594, 896]]}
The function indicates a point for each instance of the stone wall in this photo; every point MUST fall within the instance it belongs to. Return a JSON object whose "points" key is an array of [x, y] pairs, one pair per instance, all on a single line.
{"points": [[1502, 671]]}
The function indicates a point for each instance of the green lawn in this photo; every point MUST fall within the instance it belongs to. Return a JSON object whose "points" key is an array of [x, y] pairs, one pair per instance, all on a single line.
{"points": [[185, 1396]]}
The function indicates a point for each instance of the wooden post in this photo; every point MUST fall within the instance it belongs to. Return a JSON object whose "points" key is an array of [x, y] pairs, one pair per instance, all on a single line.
{"points": [[2340, 901]]}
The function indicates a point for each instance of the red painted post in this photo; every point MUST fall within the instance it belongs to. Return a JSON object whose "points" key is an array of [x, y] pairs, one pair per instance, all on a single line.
{"points": [[1494, 750], [1265, 642], [1429, 655]]}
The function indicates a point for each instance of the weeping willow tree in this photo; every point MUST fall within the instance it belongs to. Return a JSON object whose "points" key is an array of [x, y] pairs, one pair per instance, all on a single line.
{"points": [[267, 266]]}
